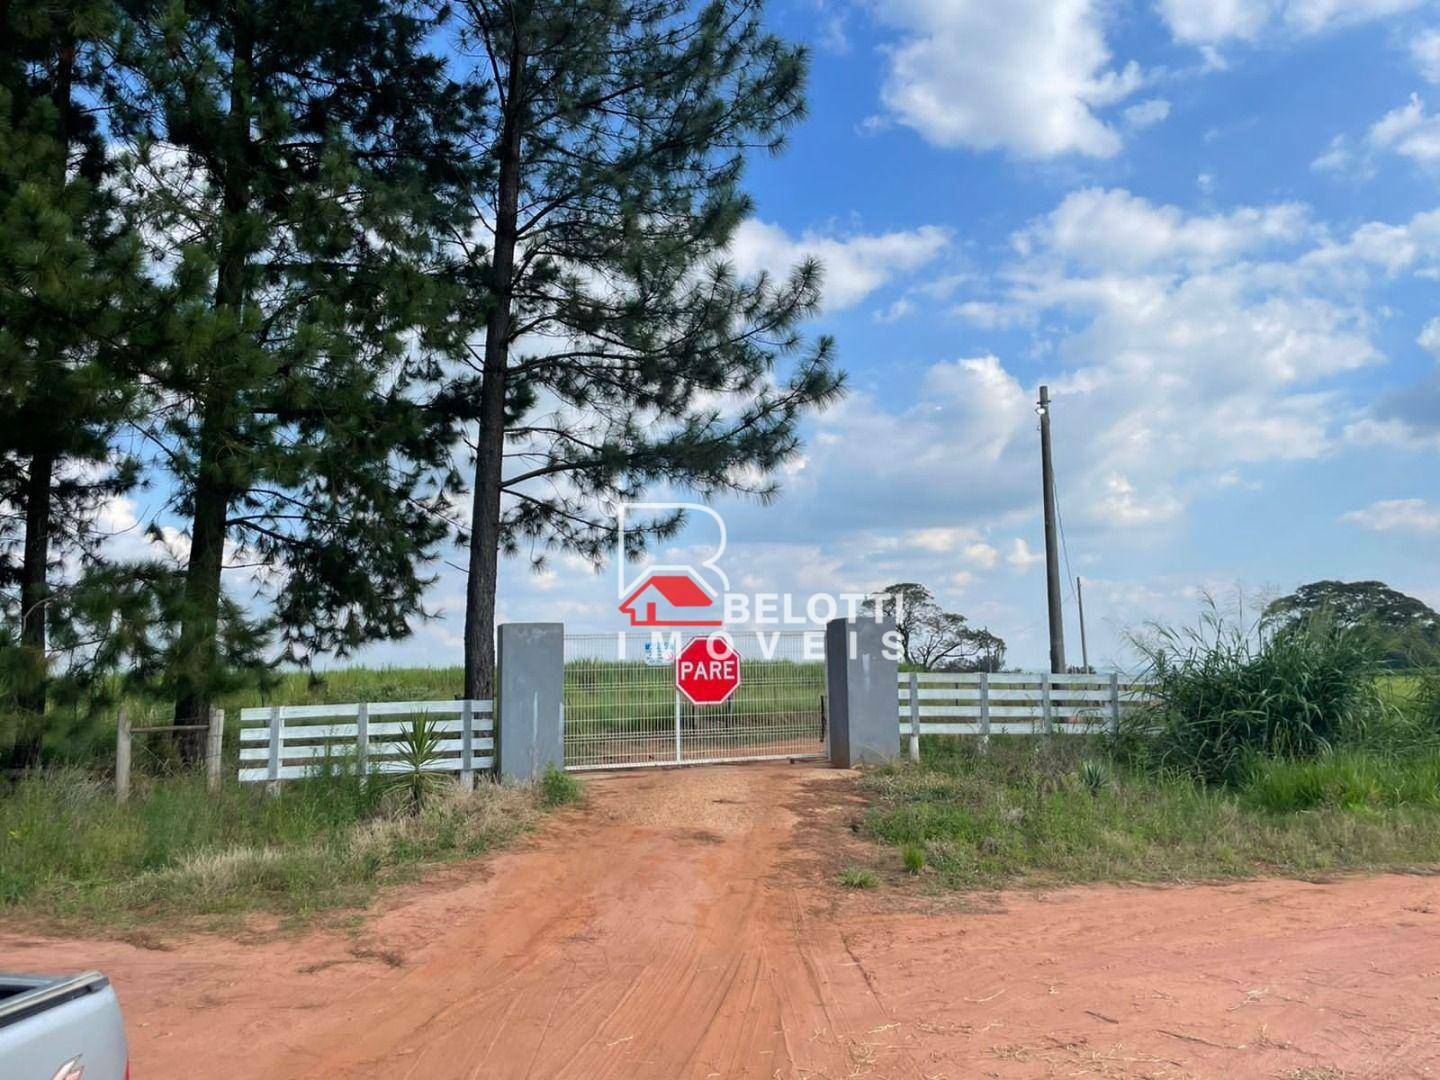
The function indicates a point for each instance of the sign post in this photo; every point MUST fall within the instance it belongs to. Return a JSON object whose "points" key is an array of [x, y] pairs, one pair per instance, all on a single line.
{"points": [[707, 670]]}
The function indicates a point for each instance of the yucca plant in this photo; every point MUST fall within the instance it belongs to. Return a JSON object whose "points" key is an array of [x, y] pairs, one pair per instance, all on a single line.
{"points": [[411, 773], [1094, 776]]}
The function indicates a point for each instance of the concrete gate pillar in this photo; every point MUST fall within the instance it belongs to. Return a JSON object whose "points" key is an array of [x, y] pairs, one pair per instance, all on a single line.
{"points": [[862, 692], [530, 708]]}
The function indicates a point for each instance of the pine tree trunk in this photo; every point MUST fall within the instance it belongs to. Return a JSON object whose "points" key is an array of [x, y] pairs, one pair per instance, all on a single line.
{"points": [[35, 565], [200, 620], [201, 616], [490, 445], [35, 596]]}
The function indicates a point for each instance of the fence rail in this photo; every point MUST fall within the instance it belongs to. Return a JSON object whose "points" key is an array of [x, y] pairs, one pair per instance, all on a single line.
{"points": [[1013, 703], [276, 745], [125, 731]]}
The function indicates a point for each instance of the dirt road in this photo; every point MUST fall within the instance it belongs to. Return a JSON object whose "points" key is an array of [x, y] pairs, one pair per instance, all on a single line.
{"points": [[685, 924]]}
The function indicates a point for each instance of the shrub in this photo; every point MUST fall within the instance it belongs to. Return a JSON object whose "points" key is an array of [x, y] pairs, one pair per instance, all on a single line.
{"points": [[558, 788], [1226, 694]]}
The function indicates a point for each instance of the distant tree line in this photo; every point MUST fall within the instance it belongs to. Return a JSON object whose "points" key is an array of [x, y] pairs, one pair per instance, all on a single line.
{"points": [[1403, 631], [338, 283]]}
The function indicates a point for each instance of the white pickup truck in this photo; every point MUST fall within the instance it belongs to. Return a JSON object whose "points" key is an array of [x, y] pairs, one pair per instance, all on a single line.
{"points": [[61, 1029]]}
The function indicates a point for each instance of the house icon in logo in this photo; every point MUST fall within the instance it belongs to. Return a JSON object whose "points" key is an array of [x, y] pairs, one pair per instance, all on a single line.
{"points": [[672, 596]]}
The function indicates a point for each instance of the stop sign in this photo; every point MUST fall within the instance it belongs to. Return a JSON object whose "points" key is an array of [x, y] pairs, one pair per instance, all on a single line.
{"points": [[707, 670]]}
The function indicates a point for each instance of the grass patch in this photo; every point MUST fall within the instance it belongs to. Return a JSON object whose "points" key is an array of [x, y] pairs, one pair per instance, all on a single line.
{"points": [[1046, 812], [179, 855], [857, 877], [1348, 779]]}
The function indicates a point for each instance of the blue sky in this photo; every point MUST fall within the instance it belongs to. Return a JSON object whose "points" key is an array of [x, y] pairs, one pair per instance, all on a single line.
{"points": [[1212, 226], [1203, 224]]}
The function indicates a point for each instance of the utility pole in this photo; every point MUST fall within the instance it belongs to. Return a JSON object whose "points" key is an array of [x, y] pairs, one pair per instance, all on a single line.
{"points": [[1052, 546], [1080, 606]]}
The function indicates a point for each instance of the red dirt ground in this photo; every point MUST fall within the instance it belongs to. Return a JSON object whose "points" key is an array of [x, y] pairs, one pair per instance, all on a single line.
{"points": [[686, 924]]}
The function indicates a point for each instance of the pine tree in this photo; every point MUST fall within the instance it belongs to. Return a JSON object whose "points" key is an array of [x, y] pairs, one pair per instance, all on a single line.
{"points": [[287, 159], [620, 349], [71, 296]]}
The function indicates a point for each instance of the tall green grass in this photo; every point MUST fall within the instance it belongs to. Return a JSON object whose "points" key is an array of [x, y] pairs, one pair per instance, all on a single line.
{"points": [[175, 851], [1037, 811], [1227, 694]]}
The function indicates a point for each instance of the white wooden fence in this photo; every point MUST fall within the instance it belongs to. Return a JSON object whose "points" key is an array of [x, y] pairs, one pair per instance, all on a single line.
{"points": [[1013, 703], [286, 742]]}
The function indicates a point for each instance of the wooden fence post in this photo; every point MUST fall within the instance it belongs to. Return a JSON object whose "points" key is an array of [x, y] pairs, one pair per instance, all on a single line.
{"points": [[984, 711], [467, 745], [1114, 703], [122, 757], [1047, 716], [362, 740], [272, 785], [213, 742], [914, 718]]}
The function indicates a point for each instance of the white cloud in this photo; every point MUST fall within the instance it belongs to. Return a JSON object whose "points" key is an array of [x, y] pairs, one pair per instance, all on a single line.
{"points": [[1123, 505], [1147, 113], [1425, 52], [117, 515], [896, 311], [1021, 557], [1209, 21], [1116, 230], [1213, 22], [1415, 517], [939, 539], [982, 555], [1314, 16], [1392, 432], [1026, 76], [1337, 157], [855, 266], [1410, 131], [1429, 338], [1192, 344]]}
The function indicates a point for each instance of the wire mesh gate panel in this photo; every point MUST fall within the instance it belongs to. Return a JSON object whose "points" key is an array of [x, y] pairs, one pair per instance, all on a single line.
{"points": [[622, 709]]}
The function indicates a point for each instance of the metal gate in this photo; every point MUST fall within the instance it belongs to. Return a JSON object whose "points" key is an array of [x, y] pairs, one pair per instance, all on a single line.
{"points": [[622, 709]]}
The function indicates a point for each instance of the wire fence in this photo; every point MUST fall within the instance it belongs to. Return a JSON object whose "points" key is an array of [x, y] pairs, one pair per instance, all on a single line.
{"points": [[622, 708]]}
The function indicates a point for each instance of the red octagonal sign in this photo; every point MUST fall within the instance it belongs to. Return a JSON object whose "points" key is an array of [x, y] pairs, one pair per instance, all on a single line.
{"points": [[707, 670]]}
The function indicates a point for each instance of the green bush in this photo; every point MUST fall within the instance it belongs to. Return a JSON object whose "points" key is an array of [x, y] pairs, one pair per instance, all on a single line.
{"points": [[558, 788], [857, 877], [1226, 695], [913, 855]]}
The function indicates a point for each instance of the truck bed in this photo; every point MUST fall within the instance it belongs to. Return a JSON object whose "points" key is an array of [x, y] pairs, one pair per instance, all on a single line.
{"points": [[52, 1028]]}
